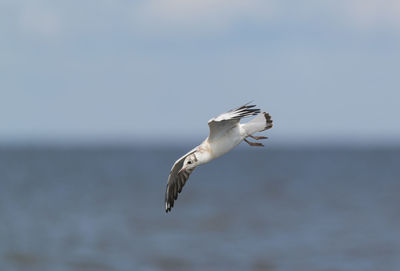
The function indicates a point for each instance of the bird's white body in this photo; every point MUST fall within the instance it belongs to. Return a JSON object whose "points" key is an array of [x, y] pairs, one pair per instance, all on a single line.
{"points": [[224, 142]]}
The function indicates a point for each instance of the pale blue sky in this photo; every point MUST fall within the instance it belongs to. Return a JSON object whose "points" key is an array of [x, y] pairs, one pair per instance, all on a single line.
{"points": [[145, 70]]}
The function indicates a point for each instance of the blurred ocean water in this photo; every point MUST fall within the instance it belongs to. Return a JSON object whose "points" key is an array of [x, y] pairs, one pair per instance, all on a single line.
{"points": [[255, 209]]}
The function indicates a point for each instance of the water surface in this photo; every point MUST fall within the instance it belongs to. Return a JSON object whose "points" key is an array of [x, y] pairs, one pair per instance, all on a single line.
{"points": [[102, 209]]}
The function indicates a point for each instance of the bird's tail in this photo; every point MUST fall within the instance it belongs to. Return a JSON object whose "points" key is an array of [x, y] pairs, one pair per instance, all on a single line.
{"points": [[260, 123]]}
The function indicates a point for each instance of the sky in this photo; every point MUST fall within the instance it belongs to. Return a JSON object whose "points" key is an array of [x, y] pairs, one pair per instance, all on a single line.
{"points": [[158, 70]]}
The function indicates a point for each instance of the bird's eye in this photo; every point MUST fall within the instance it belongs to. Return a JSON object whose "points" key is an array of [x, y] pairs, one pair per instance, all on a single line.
{"points": [[189, 162]]}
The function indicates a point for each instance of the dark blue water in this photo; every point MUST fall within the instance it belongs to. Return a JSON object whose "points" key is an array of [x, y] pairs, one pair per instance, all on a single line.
{"points": [[102, 209]]}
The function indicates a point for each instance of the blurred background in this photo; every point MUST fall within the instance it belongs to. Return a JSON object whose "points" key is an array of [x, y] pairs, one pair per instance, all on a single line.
{"points": [[99, 98]]}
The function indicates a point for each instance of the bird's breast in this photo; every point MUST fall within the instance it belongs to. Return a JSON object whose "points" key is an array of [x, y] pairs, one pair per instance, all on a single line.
{"points": [[225, 143]]}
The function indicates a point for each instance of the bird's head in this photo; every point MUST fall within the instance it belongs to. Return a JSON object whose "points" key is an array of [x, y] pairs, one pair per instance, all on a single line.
{"points": [[190, 163]]}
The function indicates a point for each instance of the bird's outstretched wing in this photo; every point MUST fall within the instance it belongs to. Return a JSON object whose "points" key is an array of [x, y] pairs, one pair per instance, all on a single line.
{"points": [[176, 181], [224, 122]]}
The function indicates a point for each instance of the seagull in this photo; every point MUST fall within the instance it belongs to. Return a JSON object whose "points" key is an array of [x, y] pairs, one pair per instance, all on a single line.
{"points": [[226, 132]]}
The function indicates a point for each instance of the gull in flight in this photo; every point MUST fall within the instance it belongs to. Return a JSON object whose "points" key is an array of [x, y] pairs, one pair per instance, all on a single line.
{"points": [[226, 132]]}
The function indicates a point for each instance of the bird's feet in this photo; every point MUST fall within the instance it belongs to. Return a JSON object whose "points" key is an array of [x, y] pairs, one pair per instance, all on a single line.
{"points": [[253, 144], [258, 137]]}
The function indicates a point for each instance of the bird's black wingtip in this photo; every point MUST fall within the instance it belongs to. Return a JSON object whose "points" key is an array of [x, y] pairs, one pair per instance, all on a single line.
{"points": [[168, 206]]}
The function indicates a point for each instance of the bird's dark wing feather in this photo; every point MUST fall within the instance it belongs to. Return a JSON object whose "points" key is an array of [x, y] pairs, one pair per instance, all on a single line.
{"points": [[176, 181]]}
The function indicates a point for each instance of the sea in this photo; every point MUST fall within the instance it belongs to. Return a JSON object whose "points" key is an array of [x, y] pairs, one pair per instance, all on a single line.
{"points": [[296, 208]]}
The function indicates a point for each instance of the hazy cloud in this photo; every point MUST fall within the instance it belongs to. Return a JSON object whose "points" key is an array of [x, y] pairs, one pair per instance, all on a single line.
{"points": [[373, 13], [207, 16], [197, 17], [39, 18], [204, 16]]}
